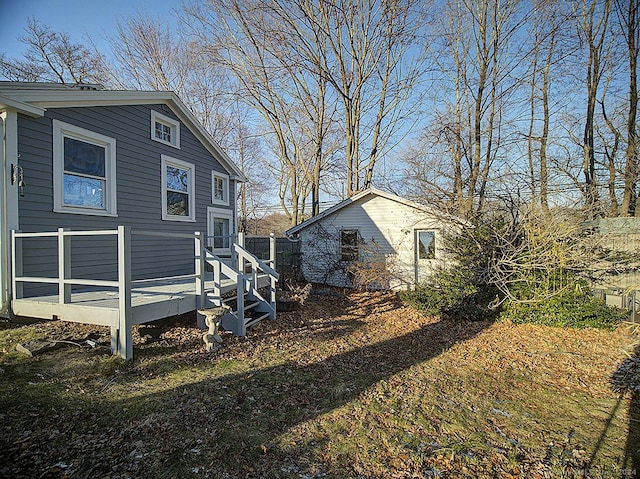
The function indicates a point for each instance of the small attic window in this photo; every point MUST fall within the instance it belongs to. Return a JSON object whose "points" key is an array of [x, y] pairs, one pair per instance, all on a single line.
{"points": [[220, 188], [165, 130]]}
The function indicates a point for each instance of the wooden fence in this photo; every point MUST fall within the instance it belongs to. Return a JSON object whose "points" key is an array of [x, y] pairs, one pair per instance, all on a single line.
{"points": [[288, 255]]}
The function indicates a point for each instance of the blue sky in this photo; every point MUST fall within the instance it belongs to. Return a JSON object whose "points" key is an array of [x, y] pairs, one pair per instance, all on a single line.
{"points": [[78, 18]]}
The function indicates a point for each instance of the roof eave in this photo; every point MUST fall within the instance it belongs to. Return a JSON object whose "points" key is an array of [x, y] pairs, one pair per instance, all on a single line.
{"points": [[353, 199], [21, 107], [40, 99]]}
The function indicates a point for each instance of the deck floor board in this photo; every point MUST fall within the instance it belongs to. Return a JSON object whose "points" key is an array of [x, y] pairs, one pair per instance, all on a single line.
{"points": [[144, 296]]}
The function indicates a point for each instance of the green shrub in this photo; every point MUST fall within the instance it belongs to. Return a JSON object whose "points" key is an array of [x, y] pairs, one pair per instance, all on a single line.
{"points": [[520, 271], [459, 289], [466, 302], [574, 305]]}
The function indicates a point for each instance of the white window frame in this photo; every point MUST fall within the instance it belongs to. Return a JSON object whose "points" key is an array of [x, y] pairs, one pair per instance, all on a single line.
{"points": [[172, 124], [62, 130], [225, 188], [432, 245], [165, 161], [222, 214]]}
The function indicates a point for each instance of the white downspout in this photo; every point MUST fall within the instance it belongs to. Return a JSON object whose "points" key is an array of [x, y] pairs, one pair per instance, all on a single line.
{"points": [[9, 203]]}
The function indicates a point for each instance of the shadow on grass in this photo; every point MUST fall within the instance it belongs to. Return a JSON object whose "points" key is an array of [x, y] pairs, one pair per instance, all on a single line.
{"points": [[245, 415], [626, 380], [231, 425], [632, 449]]}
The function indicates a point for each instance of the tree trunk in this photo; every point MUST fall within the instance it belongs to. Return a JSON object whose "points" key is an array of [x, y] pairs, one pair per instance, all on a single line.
{"points": [[630, 198]]}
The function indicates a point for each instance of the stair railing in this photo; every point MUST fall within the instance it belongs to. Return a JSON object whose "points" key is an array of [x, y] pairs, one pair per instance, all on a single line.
{"points": [[258, 266], [245, 281]]}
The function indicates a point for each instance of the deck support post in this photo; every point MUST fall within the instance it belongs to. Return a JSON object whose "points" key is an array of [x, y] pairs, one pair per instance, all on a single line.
{"points": [[272, 280], [64, 266], [16, 265], [240, 290], [201, 295], [123, 334]]}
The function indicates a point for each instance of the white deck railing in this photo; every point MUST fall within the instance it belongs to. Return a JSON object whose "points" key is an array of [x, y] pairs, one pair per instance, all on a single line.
{"points": [[246, 281], [122, 342]]}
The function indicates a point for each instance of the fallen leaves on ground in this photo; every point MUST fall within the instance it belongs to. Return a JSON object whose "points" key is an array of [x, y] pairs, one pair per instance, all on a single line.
{"points": [[350, 385]]}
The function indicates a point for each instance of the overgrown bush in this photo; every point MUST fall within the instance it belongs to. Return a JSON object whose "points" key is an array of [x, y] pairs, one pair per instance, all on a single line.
{"points": [[574, 305], [467, 302], [460, 287], [526, 270]]}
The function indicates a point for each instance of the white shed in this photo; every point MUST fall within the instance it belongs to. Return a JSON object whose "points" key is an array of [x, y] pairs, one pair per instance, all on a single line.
{"points": [[373, 239]]}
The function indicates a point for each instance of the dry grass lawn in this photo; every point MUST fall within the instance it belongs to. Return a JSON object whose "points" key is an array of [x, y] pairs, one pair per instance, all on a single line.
{"points": [[353, 385]]}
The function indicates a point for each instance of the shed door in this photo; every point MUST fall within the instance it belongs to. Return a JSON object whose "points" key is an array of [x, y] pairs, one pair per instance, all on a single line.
{"points": [[424, 253]]}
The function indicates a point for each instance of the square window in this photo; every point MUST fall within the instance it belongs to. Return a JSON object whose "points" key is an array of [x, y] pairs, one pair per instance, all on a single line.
{"points": [[163, 132], [349, 245], [164, 129], [220, 188], [84, 171], [178, 189]]}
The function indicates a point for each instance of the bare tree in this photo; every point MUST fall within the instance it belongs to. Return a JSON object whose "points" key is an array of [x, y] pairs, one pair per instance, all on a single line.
{"points": [[610, 138], [147, 54], [256, 42], [593, 29], [247, 151], [479, 77], [629, 21], [546, 21], [304, 63], [52, 57], [374, 62]]}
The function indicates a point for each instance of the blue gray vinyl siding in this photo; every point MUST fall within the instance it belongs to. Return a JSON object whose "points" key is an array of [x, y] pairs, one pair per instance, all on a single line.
{"points": [[139, 195]]}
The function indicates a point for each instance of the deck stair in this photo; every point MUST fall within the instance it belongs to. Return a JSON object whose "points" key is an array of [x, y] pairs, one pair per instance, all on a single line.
{"points": [[255, 287]]}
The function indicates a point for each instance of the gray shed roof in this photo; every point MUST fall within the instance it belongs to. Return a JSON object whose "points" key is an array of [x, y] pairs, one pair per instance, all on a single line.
{"points": [[353, 199]]}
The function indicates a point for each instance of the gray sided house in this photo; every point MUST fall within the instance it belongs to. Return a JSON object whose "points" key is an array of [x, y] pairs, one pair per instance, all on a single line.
{"points": [[373, 239], [77, 160]]}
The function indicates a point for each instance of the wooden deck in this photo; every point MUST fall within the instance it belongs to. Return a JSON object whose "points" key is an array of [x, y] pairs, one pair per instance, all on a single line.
{"points": [[150, 300], [123, 303]]}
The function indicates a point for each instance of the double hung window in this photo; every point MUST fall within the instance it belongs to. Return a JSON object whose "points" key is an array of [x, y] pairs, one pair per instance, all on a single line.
{"points": [[178, 190], [220, 188], [84, 171]]}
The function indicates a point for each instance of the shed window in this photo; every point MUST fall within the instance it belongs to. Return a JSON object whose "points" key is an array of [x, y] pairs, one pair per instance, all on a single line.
{"points": [[426, 245], [84, 171], [349, 245], [178, 190]]}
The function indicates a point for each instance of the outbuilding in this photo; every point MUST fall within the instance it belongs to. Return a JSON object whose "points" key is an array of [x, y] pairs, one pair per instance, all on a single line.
{"points": [[374, 239]]}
